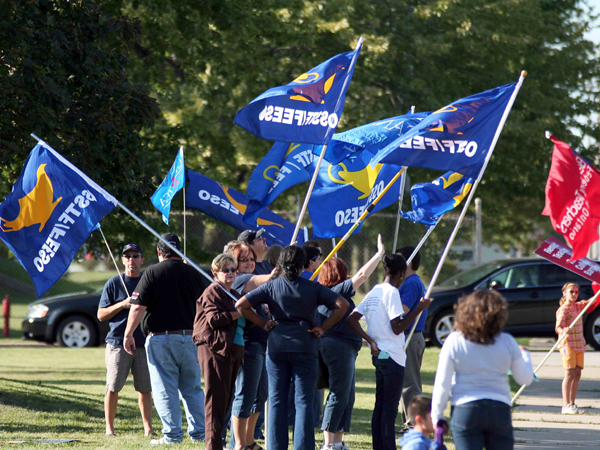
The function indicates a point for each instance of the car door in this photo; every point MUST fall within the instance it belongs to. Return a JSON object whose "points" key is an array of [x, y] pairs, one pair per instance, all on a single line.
{"points": [[520, 286], [554, 278]]}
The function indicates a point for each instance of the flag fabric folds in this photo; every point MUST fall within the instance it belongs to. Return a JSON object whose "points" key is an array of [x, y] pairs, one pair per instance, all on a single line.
{"points": [[431, 200], [306, 110], [371, 137], [284, 166], [343, 191], [228, 206], [51, 211], [173, 183], [455, 138], [572, 198]]}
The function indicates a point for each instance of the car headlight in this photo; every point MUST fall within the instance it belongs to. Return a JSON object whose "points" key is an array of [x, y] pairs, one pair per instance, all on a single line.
{"points": [[37, 311]]}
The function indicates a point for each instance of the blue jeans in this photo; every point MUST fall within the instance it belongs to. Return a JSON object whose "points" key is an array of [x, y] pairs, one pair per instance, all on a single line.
{"points": [[251, 384], [302, 367], [482, 423], [339, 357], [389, 378], [174, 370]]}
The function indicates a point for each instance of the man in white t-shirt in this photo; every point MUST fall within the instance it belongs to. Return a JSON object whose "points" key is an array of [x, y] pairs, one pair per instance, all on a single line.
{"points": [[384, 314]]}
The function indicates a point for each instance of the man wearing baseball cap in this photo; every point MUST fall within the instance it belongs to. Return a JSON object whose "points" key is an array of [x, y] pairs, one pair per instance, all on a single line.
{"points": [[257, 241], [114, 306], [165, 302]]}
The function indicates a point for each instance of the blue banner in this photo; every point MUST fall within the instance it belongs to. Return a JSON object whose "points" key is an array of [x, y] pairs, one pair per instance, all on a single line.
{"points": [[455, 138], [283, 167], [343, 191], [371, 137], [173, 182], [431, 200], [306, 110], [51, 211], [228, 206]]}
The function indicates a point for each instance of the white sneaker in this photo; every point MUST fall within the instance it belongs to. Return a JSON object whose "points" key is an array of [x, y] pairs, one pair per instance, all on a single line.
{"points": [[344, 446], [568, 409], [577, 410], [162, 441]]}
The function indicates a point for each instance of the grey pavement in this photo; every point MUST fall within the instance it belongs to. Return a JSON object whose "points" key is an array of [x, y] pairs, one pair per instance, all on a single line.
{"points": [[537, 417]]}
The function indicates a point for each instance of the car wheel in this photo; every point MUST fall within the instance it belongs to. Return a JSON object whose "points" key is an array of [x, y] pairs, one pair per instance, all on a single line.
{"points": [[441, 326], [76, 332], [592, 329]]}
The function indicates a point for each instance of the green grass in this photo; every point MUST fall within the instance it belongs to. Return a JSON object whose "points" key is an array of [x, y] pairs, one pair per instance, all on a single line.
{"points": [[57, 393]]}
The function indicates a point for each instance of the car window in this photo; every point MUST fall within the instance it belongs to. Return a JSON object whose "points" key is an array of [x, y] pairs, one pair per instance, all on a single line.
{"points": [[557, 276], [471, 276], [517, 277]]}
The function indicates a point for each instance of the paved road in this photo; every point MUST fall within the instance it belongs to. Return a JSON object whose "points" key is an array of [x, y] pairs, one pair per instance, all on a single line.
{"points": [[537, 419]]}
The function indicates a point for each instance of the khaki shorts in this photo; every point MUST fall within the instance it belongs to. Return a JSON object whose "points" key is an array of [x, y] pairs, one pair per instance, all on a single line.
{"points": [[118, 365], [571, 358]]}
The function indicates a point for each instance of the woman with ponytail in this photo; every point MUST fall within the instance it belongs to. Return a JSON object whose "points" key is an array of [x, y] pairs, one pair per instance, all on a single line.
{"points": [[292, 346], [384, 314]]}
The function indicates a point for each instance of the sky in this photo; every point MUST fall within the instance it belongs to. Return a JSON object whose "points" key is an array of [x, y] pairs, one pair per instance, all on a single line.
{"points": [[594, 34]]}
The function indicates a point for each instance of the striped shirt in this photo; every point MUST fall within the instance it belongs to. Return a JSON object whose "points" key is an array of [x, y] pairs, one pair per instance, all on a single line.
{"points": [[565, 315]]}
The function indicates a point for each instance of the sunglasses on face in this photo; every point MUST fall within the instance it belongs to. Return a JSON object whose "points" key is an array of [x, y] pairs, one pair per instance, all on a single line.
{"points": [[230, 269], [316, 257], [135, 256]]}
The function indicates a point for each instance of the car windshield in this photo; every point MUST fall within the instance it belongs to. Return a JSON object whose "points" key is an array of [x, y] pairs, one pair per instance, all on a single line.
{"points": [[472, 275]]}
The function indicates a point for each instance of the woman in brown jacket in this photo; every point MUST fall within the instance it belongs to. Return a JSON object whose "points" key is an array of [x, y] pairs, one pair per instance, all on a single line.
{"points": [[218, 332]]}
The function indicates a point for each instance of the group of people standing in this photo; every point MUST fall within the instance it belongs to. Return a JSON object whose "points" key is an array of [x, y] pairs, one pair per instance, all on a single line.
{"points": [[260, 332]]}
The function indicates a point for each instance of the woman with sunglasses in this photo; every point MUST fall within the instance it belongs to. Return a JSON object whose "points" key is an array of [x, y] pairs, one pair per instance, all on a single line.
{"points": [[339, 347], [251, 384], [218, 333]]}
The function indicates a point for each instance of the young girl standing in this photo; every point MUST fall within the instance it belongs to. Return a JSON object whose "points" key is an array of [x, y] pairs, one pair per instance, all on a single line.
{"points": [[573, 346]]}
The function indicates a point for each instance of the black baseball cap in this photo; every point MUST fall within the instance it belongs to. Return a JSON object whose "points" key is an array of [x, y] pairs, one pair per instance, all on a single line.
{"points": [[171, 239], [135, 247], [248, 236]]}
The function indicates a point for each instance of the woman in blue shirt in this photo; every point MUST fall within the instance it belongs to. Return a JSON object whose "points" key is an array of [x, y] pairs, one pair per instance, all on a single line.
{"points": [[292, 346], [339, 347]]}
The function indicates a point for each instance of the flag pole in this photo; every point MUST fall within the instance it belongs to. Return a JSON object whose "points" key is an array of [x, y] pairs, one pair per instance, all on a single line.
{"points": [[362, 217], [308, 194], [184, 223], [333, 245], [113, 259], [558, 342], [400, 198], [474, 188], [410, 258], [321, 156]]}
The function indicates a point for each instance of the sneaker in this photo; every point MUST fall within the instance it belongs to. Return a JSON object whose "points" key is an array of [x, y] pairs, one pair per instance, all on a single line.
{"points": [[344, 446], [568, 410], [328, 447], [162, 441], [577, 410]]}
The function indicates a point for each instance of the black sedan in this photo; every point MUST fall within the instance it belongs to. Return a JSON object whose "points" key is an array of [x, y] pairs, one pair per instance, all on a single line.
{"points": [[70, 319], [532, 287]]}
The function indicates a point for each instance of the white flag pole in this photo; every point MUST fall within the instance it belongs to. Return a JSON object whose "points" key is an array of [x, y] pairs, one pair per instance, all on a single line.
{"points": [[400, 198], [321, 156], [475, 184], [113, 259], [184, 218]]}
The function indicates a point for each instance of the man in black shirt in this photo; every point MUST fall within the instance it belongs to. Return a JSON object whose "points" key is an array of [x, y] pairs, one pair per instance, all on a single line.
{"points": [[257, 241], [165, 302]]}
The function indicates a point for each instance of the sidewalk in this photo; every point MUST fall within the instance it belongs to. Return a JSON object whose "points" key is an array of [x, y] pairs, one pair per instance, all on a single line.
{"points": [[537, 420]]}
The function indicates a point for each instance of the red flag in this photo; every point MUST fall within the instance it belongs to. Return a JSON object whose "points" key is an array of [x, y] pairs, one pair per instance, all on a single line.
{"points": [[573, 198]]}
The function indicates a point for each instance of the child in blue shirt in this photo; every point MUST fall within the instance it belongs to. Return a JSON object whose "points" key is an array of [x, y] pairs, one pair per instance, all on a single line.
{"points": [[419, 412]]}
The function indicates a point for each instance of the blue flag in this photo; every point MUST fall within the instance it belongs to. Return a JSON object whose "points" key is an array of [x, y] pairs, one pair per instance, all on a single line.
{"points": [[431, 200], [306, 110], [343, 191], [51, 211], [455, 138], [228, 206], [283, 167], [174, 181], [371, 137]]}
